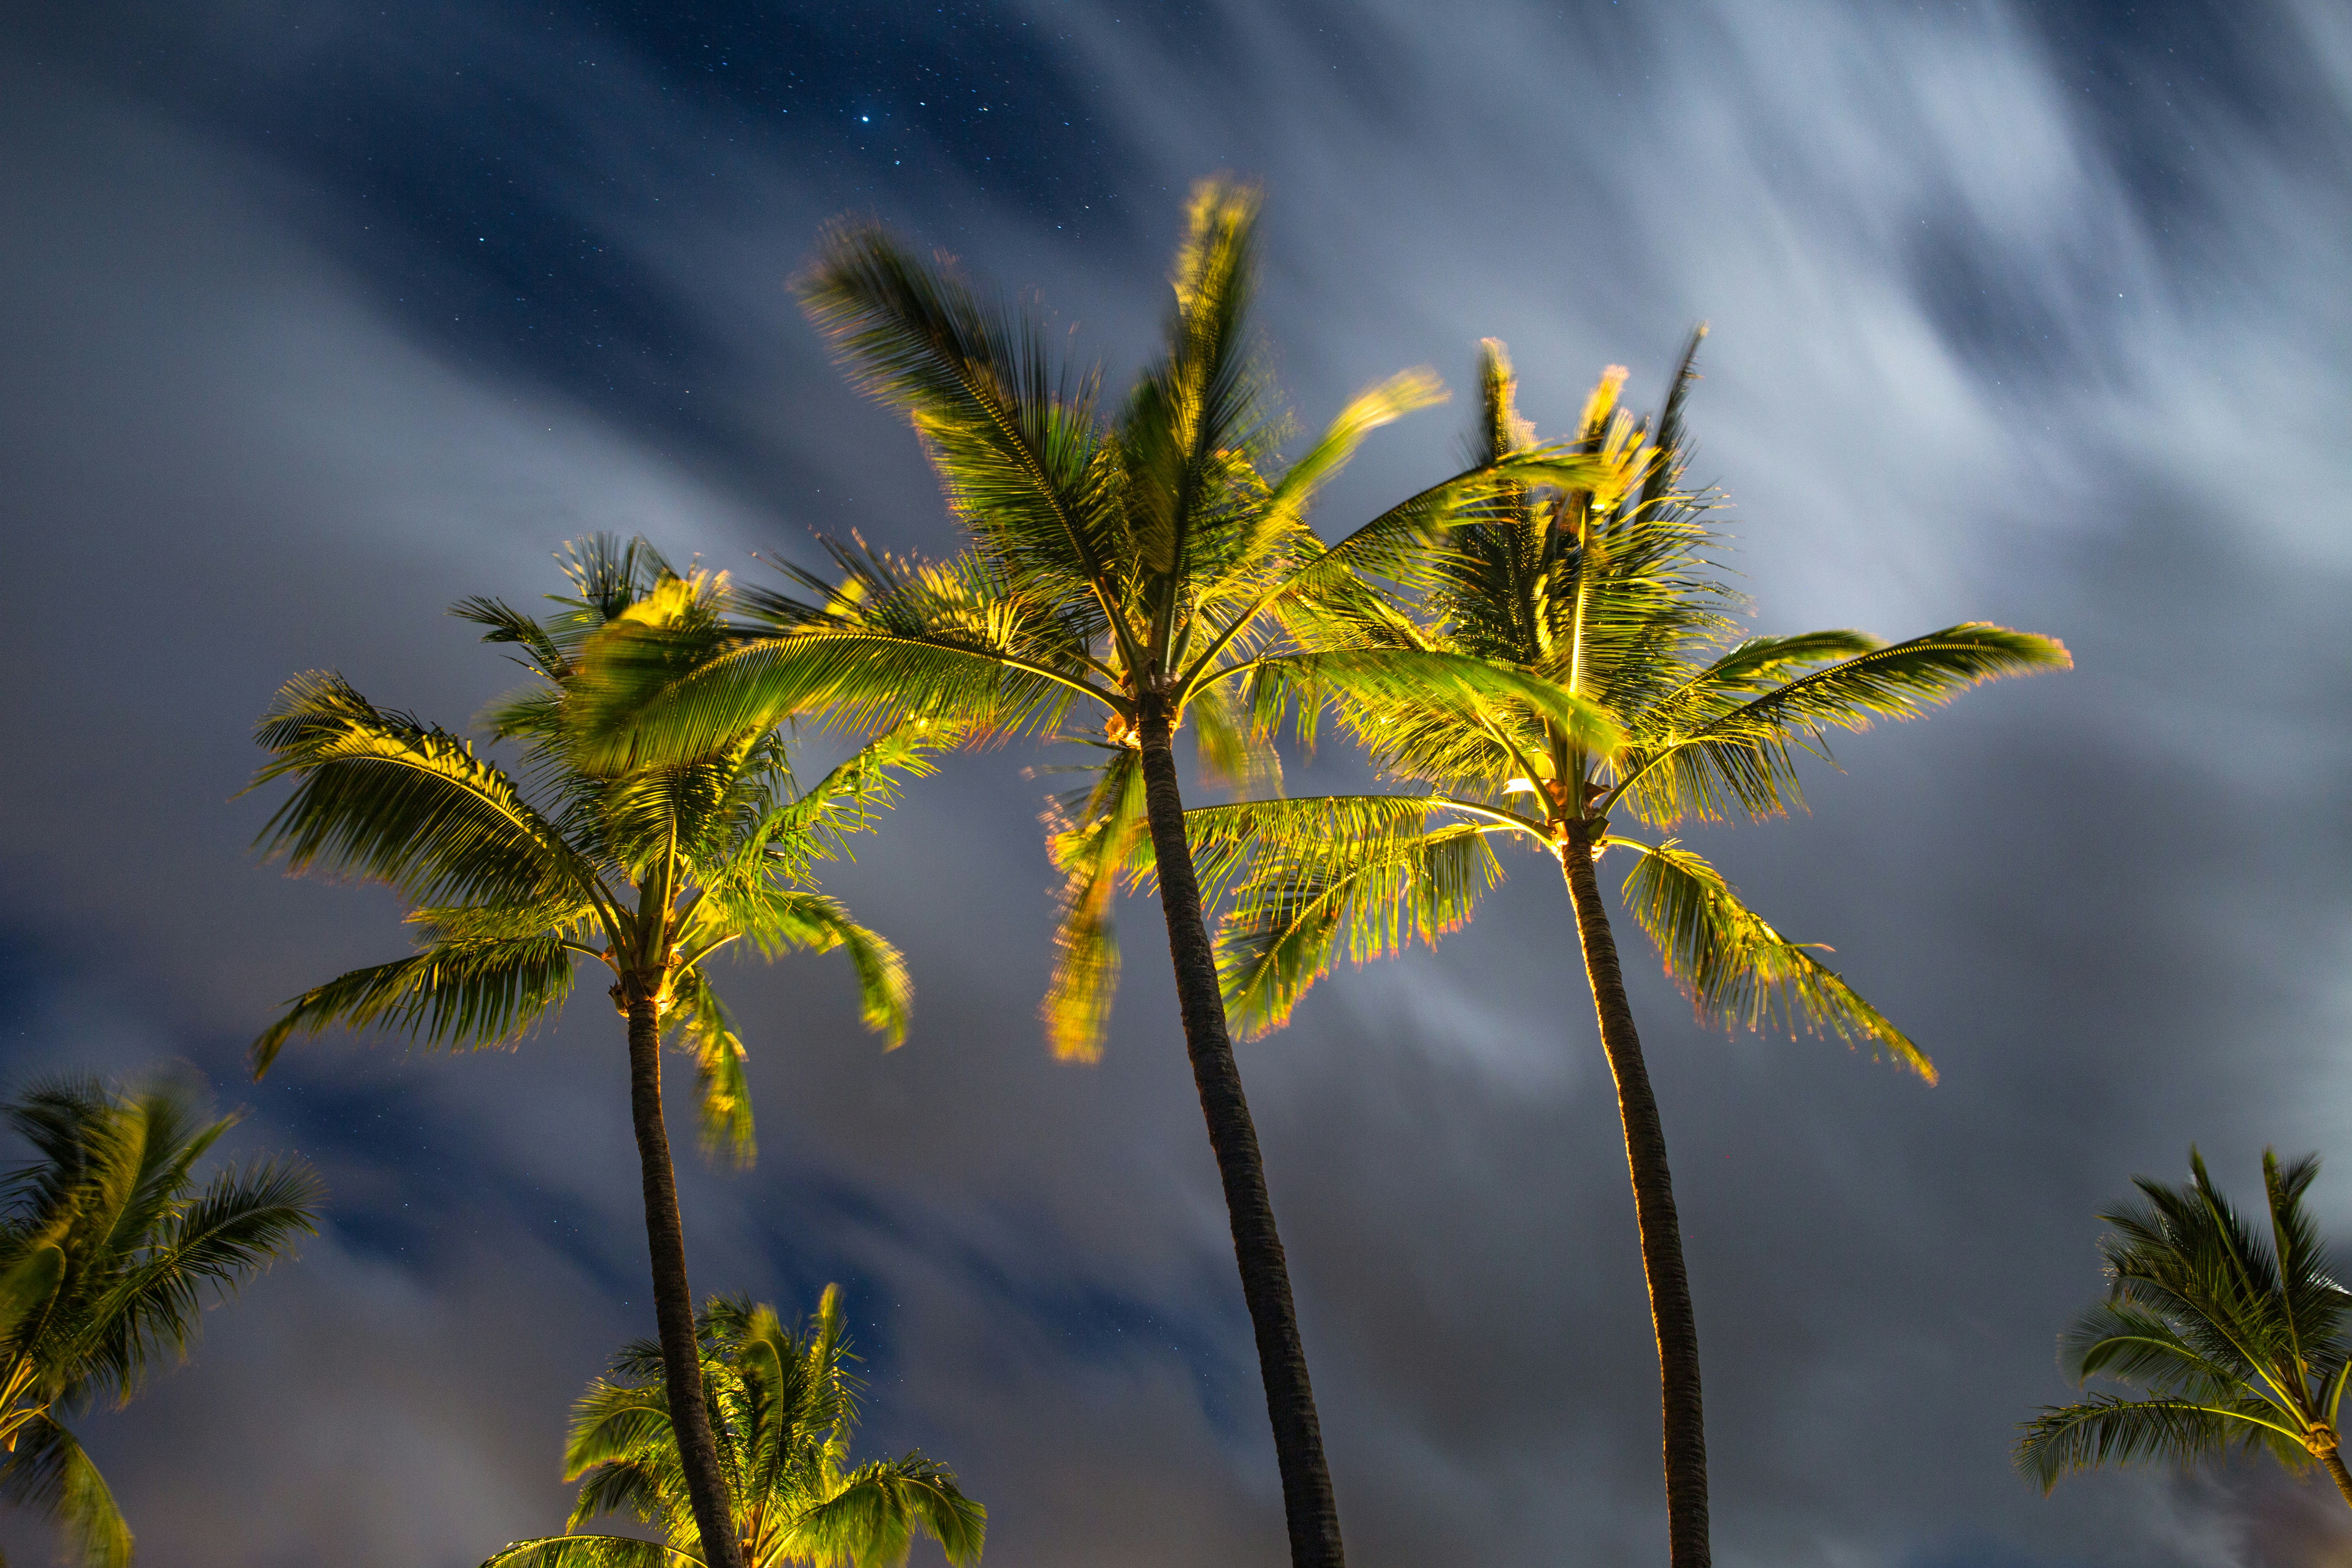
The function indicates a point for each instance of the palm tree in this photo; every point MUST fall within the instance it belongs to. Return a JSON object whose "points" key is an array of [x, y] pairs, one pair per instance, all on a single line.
{"points": [[110, 1251], [1149, 565], [1600, 594], [786, 1404], [2241, 1338], [652, 871]]}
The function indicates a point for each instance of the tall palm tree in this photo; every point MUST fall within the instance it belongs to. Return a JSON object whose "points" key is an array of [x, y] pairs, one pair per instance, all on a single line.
{"points": [[1597, 593], [786, 1404], [1151, 565], [2240, 1337], [652, 871], [111, 1248]]}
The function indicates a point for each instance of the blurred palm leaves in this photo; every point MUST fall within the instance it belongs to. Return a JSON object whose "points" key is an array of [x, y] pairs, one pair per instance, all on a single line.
{"points": [[110, 1249]]}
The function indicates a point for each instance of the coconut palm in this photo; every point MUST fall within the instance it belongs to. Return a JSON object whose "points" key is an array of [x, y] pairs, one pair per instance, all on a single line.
{"points": [[785, 1405], [111, 1248], [1151, 565], [2240, 1337], [652, 871], [1599, 593]]}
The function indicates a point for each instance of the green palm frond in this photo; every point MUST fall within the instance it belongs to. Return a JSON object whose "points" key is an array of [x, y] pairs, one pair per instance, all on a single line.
{"points": [[2122, 1340], [1289, 925], [1442, 687], [861, 679], [616, 1422], [28, 1283], [405, 804], [1095, 841], [49, 1474], [721, 1091], [1700, 763], [472, 993], [110, 1248], [1029, 467], [198, 1250], [636, 1489], [780, 919], [879, 1509], [591, 1552], [1733, 966], [2107, 1429], [846, 800]]}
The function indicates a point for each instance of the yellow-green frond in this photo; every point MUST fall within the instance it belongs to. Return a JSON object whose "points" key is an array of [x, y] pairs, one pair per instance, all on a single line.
{"points": [[1735, 967], [1098, 840], [722, 1091], [379, 795]]}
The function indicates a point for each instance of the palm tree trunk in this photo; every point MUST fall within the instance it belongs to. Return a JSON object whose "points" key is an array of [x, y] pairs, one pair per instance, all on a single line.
{"points": [[674, 1298], [1654, 1204], [2338, 1473], [1306, 1501]]}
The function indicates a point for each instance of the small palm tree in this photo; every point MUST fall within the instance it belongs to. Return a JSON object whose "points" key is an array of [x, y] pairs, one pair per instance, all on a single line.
{"points": [[786, 1407], [1599, 593], [1148, 565], [652, 871], [2241, 1337], [110, 1249]]}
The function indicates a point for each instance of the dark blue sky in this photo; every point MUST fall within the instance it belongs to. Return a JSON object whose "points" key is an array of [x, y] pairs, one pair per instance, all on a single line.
{"points": [[319, 317]]}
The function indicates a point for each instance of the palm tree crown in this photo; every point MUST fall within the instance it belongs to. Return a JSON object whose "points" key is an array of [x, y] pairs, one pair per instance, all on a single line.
{"points": [[1605, 593], [111, 1248], [2240, 1336], [786, 1403], [651, 871], [1597, 593]]}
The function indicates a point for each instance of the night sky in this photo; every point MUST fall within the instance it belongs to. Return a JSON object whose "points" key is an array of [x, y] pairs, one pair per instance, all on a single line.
{"points": [[317, 317]]}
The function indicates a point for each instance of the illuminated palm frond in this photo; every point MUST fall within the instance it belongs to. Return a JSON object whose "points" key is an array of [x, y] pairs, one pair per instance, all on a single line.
{"points": [[1095, 839], [1719, 745], [1736, 968]]}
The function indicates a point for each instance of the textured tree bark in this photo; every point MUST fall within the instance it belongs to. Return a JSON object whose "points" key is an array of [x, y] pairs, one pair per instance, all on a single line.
{"points": [[1654, 1204], [1306, 1501], [674, 1297], [2338, 1473]]}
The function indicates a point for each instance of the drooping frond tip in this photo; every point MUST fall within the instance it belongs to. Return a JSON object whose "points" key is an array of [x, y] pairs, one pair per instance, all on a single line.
{"points": [[1735, 967]]}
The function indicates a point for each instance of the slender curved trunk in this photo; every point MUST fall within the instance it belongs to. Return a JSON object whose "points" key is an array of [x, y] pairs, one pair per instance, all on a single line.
{"points": [[1654, 1203], [2338, 1473], [674, 1298], [1307, 1501]]}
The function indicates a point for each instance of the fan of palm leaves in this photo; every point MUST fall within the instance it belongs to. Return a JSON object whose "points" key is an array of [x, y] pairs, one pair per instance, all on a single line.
{"points": [[514, 878], [785, 1405], [2238, 1336], [1608, 594], [110, 1249]]}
